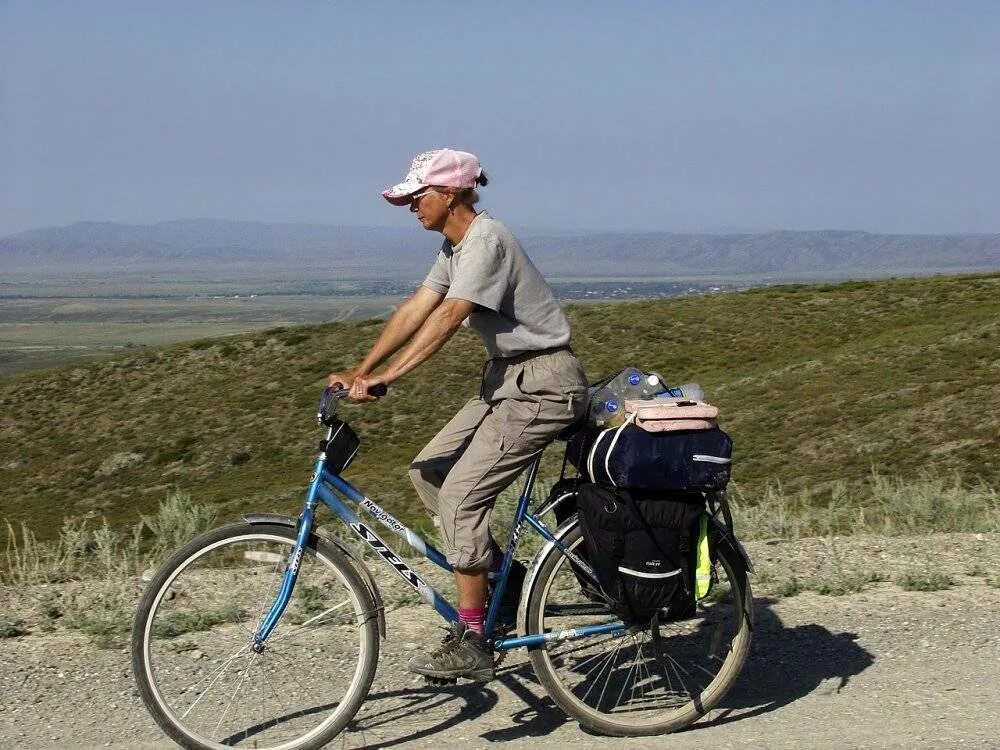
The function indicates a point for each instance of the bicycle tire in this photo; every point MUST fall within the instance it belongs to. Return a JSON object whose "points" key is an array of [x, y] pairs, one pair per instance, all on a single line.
{"points": [[208, 598], [669, 689]]}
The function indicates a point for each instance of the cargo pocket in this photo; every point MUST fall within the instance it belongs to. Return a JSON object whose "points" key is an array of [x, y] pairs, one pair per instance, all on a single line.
{"points": [[514, 420], [556, 379]]}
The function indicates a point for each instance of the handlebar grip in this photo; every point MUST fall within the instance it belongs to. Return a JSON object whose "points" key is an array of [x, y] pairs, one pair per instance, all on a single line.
{"points": [[378, 390]]}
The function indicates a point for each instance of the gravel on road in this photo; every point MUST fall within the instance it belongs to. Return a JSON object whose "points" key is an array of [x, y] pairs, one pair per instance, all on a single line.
{"points": [[883, 668]]}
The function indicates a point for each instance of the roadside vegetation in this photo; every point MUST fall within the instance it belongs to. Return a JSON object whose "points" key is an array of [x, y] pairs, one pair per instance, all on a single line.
{"points": [[858, 408], [891, 506], [89, 578]]}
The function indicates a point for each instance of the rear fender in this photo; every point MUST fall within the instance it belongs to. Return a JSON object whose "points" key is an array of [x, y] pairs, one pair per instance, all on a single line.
{"points": [[531, 579], [356, 561], [735, 543]]}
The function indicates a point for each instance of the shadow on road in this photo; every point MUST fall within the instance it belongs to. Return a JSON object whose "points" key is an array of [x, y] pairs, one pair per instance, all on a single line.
{"points": [[538, 717], [786, 664], [383, 712]]}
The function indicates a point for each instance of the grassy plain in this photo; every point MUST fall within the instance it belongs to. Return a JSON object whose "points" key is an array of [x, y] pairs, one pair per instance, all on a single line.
{"points": [[818, 384], [39, 332]]}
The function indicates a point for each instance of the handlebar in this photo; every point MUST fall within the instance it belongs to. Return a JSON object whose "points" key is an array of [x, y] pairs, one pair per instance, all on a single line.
{"points": [[378, 390], [328, 401]]}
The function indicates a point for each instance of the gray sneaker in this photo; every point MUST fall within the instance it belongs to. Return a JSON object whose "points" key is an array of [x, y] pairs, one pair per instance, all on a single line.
{"points": [[462, 653]]}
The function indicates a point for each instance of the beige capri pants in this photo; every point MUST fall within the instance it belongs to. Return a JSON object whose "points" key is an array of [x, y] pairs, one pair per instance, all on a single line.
{"points": [[524, 403]]}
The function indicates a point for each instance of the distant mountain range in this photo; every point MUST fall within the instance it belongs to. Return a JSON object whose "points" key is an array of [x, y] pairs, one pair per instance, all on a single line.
{"points": [[201, 247]]}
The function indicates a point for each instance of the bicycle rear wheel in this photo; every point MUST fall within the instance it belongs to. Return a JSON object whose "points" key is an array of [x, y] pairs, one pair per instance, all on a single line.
{"points": [[634, 683], [191, 642]]}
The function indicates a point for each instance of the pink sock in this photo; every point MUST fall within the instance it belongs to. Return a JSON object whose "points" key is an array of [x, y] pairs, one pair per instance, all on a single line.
{"points": [[472, 618]]}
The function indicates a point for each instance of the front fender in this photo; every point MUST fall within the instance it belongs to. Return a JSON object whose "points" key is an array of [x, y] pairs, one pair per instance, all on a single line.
{"points": [[356, 561]]}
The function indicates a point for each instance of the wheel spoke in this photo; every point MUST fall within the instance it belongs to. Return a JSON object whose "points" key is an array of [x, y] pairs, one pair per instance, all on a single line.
{"points": [[218, 674], [640, 682], [198, 671]]}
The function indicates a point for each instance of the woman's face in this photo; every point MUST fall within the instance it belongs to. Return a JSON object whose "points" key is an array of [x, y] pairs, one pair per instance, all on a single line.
{"points": [[431, 208]]}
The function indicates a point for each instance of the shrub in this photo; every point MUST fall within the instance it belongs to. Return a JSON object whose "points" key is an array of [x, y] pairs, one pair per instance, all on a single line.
{"points": [[788, 587], [239, 458], [922, 580], [180, 449], [11, 627], [178, 623], [178, 520], [841, 582], [29, 561], [82, 551]]}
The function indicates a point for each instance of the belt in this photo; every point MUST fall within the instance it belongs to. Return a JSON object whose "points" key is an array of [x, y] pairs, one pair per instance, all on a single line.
{"points": [[518, 359], [525, 356]]}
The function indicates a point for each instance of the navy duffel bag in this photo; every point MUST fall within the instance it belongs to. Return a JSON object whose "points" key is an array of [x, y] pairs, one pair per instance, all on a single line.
{"points": [[627, 456]]}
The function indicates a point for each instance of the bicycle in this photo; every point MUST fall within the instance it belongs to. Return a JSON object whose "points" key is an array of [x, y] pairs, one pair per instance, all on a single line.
{"points": [[266, 633]]}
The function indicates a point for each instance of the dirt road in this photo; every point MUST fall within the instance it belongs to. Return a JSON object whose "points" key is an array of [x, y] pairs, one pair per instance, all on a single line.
{"points": [[884, 668]]}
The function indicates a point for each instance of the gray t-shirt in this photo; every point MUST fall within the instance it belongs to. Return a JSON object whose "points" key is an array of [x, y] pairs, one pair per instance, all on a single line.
{"points": [[516, 310]]}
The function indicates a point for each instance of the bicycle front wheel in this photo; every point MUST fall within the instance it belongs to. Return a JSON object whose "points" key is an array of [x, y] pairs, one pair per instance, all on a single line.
{"points": [[638, 682], [192, 642]]}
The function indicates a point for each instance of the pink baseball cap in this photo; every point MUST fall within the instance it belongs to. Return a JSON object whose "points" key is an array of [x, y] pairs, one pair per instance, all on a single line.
{"points": [[444, 167]]}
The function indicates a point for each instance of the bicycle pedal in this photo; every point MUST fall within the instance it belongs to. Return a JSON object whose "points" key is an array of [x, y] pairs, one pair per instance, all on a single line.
{"points": [[441, 681]]}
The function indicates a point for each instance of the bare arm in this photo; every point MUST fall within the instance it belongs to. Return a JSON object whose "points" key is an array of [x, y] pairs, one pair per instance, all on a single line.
{"points": [[438, 328], [403, 323], [406, 321]]}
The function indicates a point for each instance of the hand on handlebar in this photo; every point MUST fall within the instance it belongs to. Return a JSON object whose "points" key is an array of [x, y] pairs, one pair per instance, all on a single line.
{"points": [[341, 379], [359, 389], [368, 388]]}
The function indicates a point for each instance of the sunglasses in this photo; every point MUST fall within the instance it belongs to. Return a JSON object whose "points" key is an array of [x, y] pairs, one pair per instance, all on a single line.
{"points": [[420, 194]]}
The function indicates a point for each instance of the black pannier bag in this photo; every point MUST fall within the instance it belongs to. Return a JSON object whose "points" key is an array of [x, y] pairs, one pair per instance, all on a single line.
{"points": [[628, 456], [563, 497], [643, 546]]}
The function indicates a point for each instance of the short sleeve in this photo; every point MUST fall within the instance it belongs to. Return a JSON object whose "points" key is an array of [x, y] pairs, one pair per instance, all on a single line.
{"points": [[439, 277], [482, 272]]}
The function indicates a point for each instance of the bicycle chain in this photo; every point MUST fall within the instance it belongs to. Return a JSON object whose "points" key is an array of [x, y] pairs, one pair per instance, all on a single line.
{"points": [[499, 632]]}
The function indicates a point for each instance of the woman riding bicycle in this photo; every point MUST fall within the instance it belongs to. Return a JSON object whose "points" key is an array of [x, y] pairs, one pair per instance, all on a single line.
{"points": [[533, 386]]}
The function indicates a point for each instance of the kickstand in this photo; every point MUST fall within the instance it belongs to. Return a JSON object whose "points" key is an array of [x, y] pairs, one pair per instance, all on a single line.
{"points": [[654, 632]]}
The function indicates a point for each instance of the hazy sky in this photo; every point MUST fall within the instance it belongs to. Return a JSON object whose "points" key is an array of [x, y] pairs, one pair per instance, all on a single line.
{"points": [[618, 115]]}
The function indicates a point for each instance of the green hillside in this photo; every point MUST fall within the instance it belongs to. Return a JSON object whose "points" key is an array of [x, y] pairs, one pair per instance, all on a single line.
{"points": [[815, 383]]}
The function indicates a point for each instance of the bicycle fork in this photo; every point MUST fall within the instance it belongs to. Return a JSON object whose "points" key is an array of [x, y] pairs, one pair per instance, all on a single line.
{"points": [[305, 525]]}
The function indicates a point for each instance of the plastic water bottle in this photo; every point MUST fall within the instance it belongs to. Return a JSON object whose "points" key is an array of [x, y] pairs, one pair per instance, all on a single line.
{"points": [[605, 410], [607, 404], [692, 391], [633, 383]]}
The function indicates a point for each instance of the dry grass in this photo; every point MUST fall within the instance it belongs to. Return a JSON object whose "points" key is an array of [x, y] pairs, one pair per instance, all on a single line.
{"points": [[883, 505], [924, 580], [98, 568]]}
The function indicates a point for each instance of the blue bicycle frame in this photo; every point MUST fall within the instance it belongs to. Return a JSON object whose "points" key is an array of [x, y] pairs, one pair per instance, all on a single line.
{"points": [[335, 492]]}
